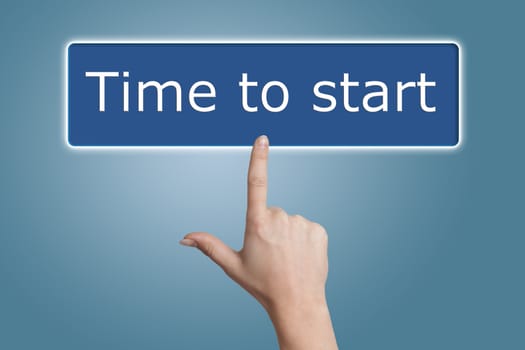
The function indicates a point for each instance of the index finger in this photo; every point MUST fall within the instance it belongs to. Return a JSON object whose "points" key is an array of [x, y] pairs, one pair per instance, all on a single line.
{"points": [[258, 177]]}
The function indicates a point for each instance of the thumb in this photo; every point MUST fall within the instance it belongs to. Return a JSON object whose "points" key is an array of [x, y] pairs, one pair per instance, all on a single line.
{"points": [[224, 256]]}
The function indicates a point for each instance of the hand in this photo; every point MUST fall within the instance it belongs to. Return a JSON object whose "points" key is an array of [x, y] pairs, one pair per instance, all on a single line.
{"points": [[283, 263]]}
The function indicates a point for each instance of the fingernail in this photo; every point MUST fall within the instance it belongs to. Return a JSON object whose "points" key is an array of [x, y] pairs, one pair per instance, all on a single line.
{"points": [[188, 242], [262, 141]]}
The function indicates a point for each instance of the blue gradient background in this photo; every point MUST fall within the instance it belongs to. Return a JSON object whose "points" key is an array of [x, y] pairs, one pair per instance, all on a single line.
{"points": [[426, 249]]}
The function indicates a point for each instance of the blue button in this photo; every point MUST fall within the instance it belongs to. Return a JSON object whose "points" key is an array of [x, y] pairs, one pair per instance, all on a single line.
{"points": [[299, 94]]}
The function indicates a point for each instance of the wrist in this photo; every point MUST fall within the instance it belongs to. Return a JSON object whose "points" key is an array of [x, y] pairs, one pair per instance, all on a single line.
{"points": [[297, 308], [303, 324]]}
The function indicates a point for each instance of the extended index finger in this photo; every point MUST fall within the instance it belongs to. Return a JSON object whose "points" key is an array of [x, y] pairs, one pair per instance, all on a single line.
{"points": [[258, 177]]}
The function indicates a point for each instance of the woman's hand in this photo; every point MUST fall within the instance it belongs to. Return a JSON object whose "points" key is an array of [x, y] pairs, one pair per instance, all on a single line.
{"points": [[283, 263]]}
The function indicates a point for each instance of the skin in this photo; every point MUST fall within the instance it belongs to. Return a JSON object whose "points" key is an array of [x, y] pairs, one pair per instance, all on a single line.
{"points": [[283, 263]]}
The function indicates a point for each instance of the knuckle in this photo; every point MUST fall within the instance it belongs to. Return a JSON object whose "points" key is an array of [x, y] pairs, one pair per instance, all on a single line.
{"points": [[209, 250], [319, 228], [298, 220], [275, 210], [278, 212], [257, 181], [257, 224], [298, 217], [320, 231]]}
